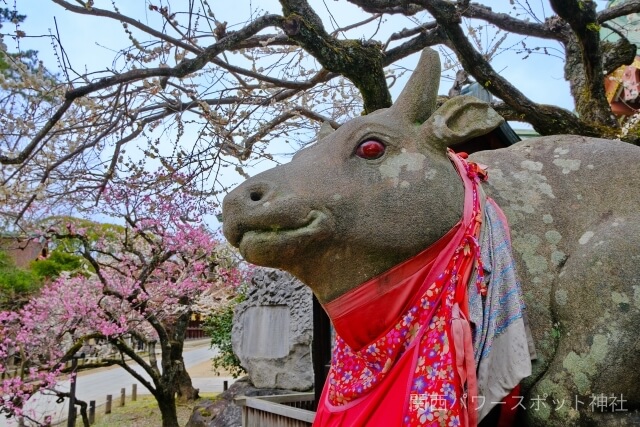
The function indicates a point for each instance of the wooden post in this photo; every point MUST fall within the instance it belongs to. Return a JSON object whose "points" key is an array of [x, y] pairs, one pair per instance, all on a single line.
{"points": [[123, 391], [92, 412], [320, 348], [107, 407], [134, 392], [225, 385], [71, 418]]}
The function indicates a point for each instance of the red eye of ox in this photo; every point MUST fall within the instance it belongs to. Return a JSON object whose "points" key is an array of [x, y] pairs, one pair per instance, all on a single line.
{"points": [[370, 149]]}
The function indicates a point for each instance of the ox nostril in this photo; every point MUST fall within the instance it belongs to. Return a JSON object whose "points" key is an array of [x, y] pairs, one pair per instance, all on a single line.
{"points": [[255, 196], [256, 192]]}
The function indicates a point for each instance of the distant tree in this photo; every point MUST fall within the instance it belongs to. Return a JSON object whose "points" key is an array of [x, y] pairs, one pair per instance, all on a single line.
{"points": [[7, 60], [29, 94], [143, 287]]}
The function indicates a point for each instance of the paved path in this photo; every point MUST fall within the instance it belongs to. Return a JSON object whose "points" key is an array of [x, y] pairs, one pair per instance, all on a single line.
{"points": [[96, 384]]}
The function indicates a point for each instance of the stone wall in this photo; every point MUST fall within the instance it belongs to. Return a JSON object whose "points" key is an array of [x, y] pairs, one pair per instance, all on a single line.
{"points": [[272, 331]]}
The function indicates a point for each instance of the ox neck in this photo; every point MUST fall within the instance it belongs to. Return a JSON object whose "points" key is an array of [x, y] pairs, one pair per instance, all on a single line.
{"points": [[368, 311]]}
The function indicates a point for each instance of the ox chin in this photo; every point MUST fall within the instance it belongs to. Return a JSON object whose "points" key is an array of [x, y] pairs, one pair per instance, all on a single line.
{"points": [[278, 248]]}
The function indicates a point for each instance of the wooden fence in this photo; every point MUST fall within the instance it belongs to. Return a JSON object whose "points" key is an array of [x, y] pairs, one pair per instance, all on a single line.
{"points": [[288, 410]]}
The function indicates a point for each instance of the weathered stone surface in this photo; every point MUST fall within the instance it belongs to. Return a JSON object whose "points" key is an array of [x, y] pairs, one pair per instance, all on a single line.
{"points": [[222, 411], [272, 331], [575, 220]]}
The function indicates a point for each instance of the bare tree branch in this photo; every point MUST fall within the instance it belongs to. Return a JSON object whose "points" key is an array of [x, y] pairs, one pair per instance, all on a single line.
{"points": [[359, 61], [548, 30], [244, 150], [94, 11], [545, 119], [22, 156], [431, 37], [390, 7], [356, 25], [615, 55], [276, 82], [625, 8], [148, 368]]}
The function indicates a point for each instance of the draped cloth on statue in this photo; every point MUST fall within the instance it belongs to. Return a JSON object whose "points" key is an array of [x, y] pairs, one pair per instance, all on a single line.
{"points": [[502, 342], [404, 352]]}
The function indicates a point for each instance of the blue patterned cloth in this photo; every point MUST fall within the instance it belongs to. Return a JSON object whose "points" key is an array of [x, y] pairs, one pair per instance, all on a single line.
{"points": [[503, 303]]}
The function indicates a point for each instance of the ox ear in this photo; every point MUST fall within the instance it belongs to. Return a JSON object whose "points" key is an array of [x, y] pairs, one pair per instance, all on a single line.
{"points": [[457, 120], [418, 98], [324, 131]]}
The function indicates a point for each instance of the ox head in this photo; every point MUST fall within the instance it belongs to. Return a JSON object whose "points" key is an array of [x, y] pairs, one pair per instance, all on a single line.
{"points": [[364, 197]]}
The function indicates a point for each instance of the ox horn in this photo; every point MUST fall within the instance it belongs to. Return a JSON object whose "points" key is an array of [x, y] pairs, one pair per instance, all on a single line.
{"points": [[418, 98], [324, 131]]}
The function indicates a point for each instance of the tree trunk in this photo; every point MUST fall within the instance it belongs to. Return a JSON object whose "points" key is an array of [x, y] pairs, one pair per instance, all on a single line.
{"points": [[167, 405], [583, 67], [184, 386], [180, 378], [357, 60]]}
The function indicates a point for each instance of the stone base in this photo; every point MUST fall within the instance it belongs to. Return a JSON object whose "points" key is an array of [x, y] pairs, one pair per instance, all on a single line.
{"points": [[222, 411]]}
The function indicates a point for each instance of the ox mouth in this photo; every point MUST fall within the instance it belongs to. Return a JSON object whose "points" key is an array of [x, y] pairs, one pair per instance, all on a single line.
{"points": [[256, 244]]}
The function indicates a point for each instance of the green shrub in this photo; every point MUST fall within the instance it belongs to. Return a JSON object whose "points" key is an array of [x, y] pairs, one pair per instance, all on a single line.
{"points": [[218, 326], [56, 263], [16, 284]]}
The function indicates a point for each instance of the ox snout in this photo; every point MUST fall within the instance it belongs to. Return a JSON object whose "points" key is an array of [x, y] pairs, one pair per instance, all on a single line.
{"points": [[239, 206], [272, 225]]}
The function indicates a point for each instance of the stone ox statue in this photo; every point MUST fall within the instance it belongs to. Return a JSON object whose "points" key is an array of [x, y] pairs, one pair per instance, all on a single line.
{"points": [[346, 210]]}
